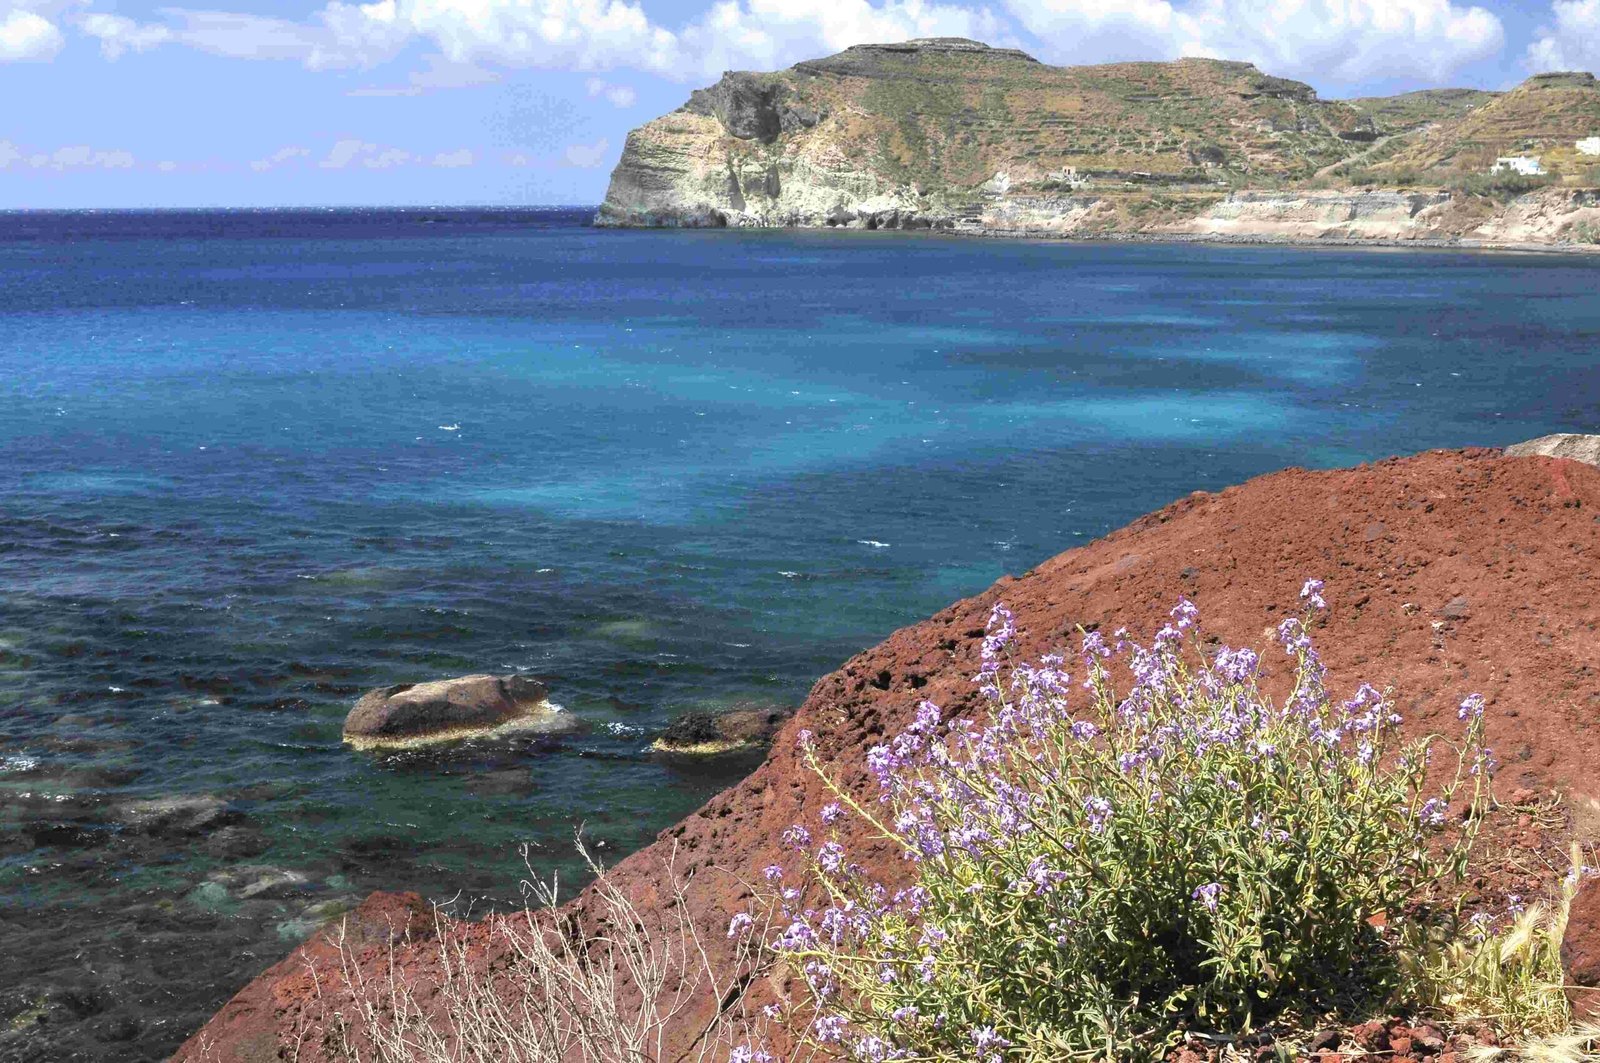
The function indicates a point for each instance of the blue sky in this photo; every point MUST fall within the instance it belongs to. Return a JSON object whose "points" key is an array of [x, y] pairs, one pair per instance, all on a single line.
{"points": [[115, 103]]}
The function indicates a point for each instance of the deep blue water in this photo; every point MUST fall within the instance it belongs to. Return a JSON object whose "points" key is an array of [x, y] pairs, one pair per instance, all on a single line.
{"points": [[253, 464]]}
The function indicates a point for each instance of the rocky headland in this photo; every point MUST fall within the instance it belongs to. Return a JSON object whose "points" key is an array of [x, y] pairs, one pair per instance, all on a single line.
{"points": [[1447, 571], [953, 135]]}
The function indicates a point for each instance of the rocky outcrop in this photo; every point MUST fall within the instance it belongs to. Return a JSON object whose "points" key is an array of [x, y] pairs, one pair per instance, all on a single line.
{"points": [[917, 134], [450, 709], [1322, 215], [712, 734], [1447, 572], [1580, 952], [1584, 448]]}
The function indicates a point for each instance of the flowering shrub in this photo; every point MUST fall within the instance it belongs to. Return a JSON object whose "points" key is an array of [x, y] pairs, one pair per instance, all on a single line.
{"points": [[1097, 869]]}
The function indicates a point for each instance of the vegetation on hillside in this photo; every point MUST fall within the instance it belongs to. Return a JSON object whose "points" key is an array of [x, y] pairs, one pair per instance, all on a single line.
{"points": [[1101, 872]]}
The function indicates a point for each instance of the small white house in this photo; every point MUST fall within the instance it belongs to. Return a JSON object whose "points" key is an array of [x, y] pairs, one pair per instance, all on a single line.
{"points": [[1526, 165], [1588, 146]]}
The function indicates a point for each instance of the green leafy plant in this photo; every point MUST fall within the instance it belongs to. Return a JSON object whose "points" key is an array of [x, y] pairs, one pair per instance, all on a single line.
{"points": [[1097, 870]]}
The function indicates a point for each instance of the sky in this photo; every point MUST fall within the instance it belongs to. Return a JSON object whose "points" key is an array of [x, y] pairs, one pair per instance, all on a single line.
{"points": [[129, 103]]}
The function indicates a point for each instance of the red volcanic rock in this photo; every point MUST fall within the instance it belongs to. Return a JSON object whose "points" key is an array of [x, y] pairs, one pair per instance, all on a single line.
{"points": [[1447, 573], [1580, 951]]}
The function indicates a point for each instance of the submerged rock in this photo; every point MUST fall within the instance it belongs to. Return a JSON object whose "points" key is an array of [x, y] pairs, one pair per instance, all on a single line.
{"points": [[1584, 448], [413, 714], [188, 814], [708, 734]]}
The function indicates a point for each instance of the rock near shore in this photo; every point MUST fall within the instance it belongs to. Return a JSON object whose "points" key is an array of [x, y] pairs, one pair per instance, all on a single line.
{"points": [[1584, 448], [412, 714]]}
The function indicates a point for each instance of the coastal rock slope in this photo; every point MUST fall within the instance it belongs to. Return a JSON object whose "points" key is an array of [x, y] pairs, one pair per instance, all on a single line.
{"points": [[1448, 572], [952, 134]]}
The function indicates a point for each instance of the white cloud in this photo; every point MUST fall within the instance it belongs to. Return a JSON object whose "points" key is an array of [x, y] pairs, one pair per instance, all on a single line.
{"points": [[616, 95], [1333, 41], [453, 160], [587, 156], [1573, 43], [119, 35], [769, 34], [73, 157], [282, 157], [579, 35], [340, 36], [352, 153], [437, 73], [26, 35], [1338, 41]]}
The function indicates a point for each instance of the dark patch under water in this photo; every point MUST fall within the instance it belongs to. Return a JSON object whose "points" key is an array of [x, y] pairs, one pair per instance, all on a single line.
{"points": [[252, 464]]}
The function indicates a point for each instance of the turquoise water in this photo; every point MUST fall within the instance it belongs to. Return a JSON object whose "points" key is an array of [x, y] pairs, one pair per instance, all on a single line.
{"points": [[254, 464]]}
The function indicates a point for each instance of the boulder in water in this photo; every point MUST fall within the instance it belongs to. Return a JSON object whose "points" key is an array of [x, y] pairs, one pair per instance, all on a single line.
{"points": [[177, 815], [1584, 448], [708, 734], [413, 714]]}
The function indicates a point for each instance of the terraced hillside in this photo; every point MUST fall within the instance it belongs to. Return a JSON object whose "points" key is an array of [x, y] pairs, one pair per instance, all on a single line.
{"points": [[1543, 116]]}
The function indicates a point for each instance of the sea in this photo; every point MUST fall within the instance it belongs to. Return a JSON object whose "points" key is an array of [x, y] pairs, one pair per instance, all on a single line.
{"points": [[255, 463]]}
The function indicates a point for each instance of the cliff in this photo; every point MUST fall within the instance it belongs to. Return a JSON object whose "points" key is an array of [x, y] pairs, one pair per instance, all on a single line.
{"points": [[1446, 572], [954, 135]]}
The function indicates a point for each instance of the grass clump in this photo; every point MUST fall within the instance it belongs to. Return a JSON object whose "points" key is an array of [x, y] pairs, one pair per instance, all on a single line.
{"points": [[1506, 975], [1099, 870]]}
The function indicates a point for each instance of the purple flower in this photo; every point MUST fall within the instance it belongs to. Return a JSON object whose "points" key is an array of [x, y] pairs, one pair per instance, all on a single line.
{"points": [[1471, 708], [1236, 666], [904, 1015], [985, 1038], [1185, 614], [1207, 895], [1311, 594], [805, 740], [832, 812], [830, 857], [740, 925], [749, 1054], [1098, 809], [797, 937], [1002, 629], [1432, 812], [796, 837], [829, 1028], [772, 872], [871, 1048]]}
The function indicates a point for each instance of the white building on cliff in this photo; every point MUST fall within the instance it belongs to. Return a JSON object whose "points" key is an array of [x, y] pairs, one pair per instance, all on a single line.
{"points": [[1526, 165], [1588, 146]]}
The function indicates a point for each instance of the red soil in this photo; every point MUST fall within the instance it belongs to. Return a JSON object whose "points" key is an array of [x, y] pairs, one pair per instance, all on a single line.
{"points": [[1447, 573]]}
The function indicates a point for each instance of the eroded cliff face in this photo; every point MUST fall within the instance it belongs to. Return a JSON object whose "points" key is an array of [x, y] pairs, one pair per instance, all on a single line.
{"points": [[954, 135], [929, 132]]}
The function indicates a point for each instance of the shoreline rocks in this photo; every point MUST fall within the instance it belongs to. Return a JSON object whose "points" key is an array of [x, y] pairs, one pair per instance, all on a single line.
{"points": [[448, 710], [1584, 448], [706, 734]]}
